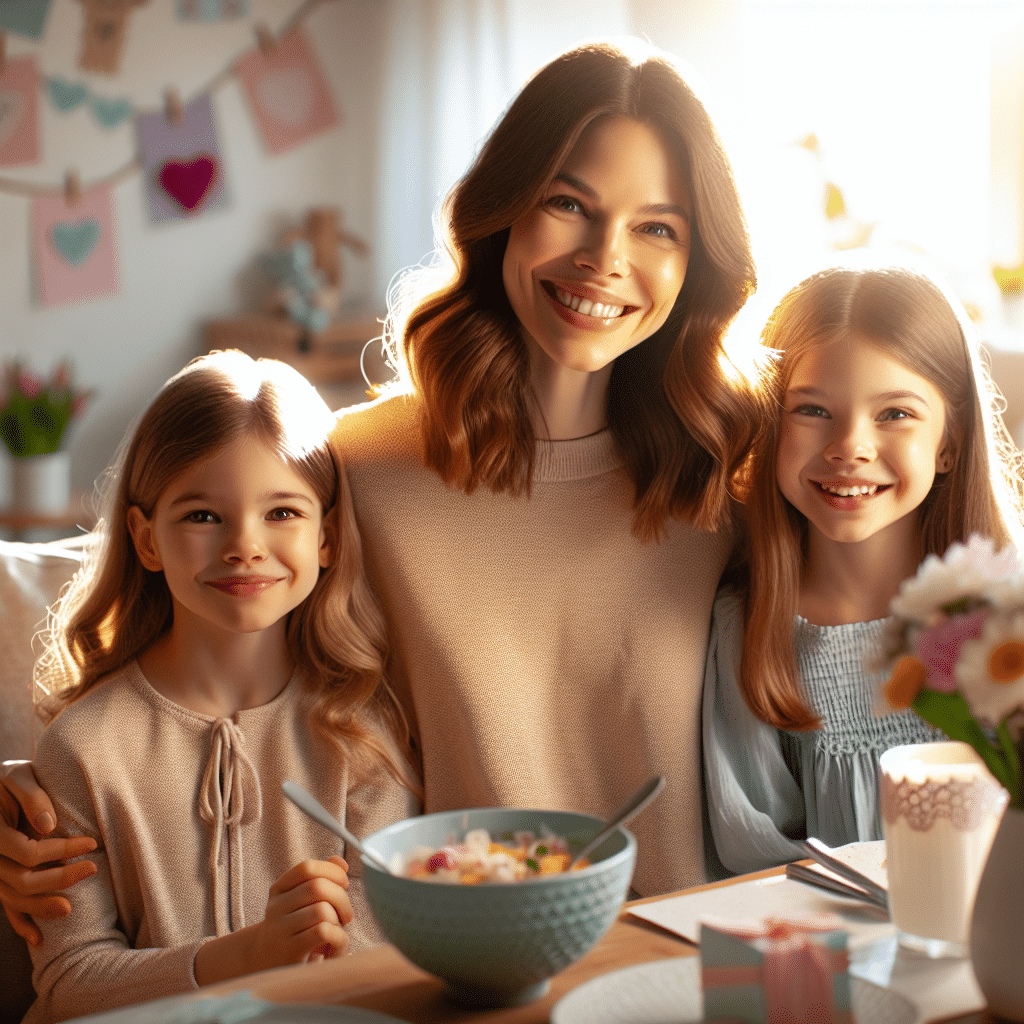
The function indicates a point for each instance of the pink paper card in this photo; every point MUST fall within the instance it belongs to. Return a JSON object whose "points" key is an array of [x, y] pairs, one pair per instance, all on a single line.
{"points": [[181, 163], [287, 92], [75, 249], [19, 112]]}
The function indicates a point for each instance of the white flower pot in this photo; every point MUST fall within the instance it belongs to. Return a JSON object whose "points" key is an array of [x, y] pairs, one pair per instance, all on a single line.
{"points": [[997, 927], [41, 484]]}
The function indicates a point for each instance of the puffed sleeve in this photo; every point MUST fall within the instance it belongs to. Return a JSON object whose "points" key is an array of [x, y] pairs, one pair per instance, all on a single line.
{"points": [[754, 804]]}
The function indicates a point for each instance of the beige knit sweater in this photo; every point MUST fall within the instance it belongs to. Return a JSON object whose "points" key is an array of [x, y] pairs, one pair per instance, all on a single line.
{"points": [[193, 829], [548, 658]]}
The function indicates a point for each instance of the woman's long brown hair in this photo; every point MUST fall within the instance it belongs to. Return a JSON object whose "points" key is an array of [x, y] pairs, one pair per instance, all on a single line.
{"points": [[683, 417]]}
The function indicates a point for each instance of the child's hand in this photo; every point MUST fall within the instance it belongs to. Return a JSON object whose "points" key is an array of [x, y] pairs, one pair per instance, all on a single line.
{"points": [[307, 911]]}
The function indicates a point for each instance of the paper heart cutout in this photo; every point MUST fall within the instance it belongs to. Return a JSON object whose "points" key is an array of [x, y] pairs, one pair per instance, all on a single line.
{"points": [[110, 113], [287, 95], [65, 95], [188, 183], [75, 240], [12, 109]]}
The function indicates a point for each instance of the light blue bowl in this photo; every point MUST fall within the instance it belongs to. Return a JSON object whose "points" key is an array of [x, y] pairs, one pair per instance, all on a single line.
{"points": [[498, 944]]}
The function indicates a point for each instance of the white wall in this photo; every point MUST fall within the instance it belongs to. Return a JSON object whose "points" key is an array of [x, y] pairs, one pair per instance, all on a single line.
{"points": [[175, 276]]}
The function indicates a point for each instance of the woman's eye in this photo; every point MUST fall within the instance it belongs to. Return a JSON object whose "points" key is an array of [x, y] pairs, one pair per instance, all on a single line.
{"points": [[660, 230], [200, 515], [566, 203]]}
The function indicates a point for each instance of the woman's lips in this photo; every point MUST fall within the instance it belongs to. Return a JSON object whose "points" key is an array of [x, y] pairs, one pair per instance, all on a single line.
{"points": [[586, 311], [242, 586]]}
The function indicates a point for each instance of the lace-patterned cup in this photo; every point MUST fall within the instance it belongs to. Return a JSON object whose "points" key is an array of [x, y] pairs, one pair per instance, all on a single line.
{"points": [[940, 811]]}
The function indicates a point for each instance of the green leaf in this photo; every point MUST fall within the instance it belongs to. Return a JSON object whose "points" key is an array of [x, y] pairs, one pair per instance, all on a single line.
{"points": [[952, 714], [1012, 761]]}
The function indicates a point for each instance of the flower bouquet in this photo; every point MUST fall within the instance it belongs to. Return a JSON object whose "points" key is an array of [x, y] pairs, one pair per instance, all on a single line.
{"points": [[37, 412], [954, 651]]}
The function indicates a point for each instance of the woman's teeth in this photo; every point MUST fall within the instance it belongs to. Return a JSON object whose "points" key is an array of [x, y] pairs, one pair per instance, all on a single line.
{"points": [[849, 492], [588, 308]]}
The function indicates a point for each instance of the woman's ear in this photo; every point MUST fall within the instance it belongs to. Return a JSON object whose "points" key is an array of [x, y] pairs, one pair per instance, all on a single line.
{"points": [[141, 530]]}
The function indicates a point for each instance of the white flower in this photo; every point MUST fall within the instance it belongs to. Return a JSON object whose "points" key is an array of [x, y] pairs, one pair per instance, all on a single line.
{"points": [[966, 570], [994, 686]]}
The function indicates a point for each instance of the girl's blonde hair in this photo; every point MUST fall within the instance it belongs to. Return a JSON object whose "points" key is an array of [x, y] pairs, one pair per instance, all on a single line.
{"points": [[682, 418], [114, 608], [908, 316]]}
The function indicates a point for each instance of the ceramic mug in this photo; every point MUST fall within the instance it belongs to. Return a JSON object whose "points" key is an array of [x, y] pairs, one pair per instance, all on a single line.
{"points": [[940, 811]]}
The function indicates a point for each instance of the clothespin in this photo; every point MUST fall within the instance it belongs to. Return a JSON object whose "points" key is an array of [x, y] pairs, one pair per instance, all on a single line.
{"points": [[266, 40], [72, 189], [173, 110], [3, 51]]}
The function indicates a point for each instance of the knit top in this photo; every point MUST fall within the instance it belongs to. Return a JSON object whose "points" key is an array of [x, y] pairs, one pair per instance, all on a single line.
{"points": [[546, 656], [192, 830], [767, 787]]}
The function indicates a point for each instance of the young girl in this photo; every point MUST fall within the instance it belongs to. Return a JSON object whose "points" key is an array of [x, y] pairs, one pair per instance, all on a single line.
{"points": [[886, 447], [220, 639]]}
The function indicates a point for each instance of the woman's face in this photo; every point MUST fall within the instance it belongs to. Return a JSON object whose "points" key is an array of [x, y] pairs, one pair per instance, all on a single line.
{"points": [[597, 266]]}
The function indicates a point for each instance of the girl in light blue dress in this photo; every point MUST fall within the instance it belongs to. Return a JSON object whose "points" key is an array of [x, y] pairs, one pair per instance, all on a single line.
{"points": [[887, 447]]}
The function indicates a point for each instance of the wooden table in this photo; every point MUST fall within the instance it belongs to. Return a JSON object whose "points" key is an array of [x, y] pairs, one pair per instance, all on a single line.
{"points": [[382, 979]]}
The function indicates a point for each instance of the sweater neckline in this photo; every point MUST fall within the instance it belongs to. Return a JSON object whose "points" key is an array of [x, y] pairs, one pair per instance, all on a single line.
{"points": [[576, 459]]}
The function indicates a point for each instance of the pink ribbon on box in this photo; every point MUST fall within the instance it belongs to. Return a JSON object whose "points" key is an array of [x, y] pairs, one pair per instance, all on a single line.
{"points": [[795, 974]]}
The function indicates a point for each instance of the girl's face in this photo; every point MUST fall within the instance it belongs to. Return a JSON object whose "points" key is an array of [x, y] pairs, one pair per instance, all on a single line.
{"points": [[596, 267], [239, 538], [862, 439]]}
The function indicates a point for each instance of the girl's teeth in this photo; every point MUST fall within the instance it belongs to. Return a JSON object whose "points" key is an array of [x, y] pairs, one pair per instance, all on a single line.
{"points": [[588, 308], [851, 492]]}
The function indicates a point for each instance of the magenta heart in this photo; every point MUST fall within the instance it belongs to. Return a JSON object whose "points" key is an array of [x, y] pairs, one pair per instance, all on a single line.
{"points": [[188, 183]]}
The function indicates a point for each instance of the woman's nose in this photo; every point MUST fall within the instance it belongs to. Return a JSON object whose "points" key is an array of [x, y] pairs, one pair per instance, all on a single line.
{"points": [[603, 251]]}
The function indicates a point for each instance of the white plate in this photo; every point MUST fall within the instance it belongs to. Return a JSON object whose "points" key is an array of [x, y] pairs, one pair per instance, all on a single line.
{"points": [[669, 992]]}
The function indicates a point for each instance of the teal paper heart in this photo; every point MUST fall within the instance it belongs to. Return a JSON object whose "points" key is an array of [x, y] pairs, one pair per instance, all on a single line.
{"points": [[110, 113], [65, 95], [74, 241]]}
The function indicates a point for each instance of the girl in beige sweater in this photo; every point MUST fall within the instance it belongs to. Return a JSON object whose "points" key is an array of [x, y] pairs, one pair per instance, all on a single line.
{"points": [[220, 639]]}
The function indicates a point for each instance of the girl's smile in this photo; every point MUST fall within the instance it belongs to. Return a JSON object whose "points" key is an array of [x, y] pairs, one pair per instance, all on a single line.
{"points": [[862, 439], [239, 539]]}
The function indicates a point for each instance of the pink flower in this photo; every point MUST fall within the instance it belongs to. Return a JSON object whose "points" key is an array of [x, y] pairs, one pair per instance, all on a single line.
{"points": [[30, 384], [938, 648]]}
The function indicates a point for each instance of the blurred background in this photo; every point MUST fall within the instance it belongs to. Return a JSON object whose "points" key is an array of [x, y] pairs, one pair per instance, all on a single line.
{"points": [[891, 126]]}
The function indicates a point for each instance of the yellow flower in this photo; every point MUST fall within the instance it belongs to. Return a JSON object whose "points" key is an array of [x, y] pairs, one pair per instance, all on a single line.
{"points": [[906, 682]]}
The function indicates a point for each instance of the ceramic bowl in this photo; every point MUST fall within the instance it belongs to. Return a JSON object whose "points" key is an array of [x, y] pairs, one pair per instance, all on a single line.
{"points": [[498, 944]]}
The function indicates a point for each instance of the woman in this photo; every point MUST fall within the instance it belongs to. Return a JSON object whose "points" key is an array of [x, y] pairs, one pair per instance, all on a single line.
{"points": [[546, 504]]}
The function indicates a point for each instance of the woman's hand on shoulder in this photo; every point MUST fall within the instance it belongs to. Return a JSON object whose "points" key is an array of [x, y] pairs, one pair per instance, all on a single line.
{"points": [[307, 911], [34, 869]]}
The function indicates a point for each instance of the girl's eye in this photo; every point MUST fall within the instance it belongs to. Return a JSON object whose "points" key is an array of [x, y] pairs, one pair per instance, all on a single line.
{"points": [[566, 203], [200, 515], [895, 414], [810, 410], [280, 515]]}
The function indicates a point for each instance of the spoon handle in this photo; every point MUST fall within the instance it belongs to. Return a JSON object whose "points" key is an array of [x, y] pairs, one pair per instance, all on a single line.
{"points": [[305, 802], [636, 803]]}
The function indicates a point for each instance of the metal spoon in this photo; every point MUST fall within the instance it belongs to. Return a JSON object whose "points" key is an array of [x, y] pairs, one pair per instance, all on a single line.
{"points": [[318, 812], [637, 802]]}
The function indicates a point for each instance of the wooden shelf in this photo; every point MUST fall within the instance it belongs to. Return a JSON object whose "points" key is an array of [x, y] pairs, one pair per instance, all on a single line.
{"points": [[331, 356]]}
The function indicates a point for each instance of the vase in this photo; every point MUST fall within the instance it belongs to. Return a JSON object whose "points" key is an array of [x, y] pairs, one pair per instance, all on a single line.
{"points": [[997, 925], [41, 484]]}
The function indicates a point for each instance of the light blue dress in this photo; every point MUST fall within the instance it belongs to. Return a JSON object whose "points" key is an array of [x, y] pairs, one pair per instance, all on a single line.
{"points": [[766, 787]]}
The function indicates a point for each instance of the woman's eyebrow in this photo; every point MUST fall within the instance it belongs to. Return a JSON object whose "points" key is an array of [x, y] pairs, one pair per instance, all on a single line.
{"points": [[652, 209]]}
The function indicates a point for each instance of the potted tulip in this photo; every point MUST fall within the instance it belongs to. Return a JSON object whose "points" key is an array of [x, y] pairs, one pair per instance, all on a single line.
{"points": [[34, 423]]}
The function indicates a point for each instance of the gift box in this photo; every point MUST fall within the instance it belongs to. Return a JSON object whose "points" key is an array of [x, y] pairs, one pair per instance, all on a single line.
{"points": [[781, 971]]}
